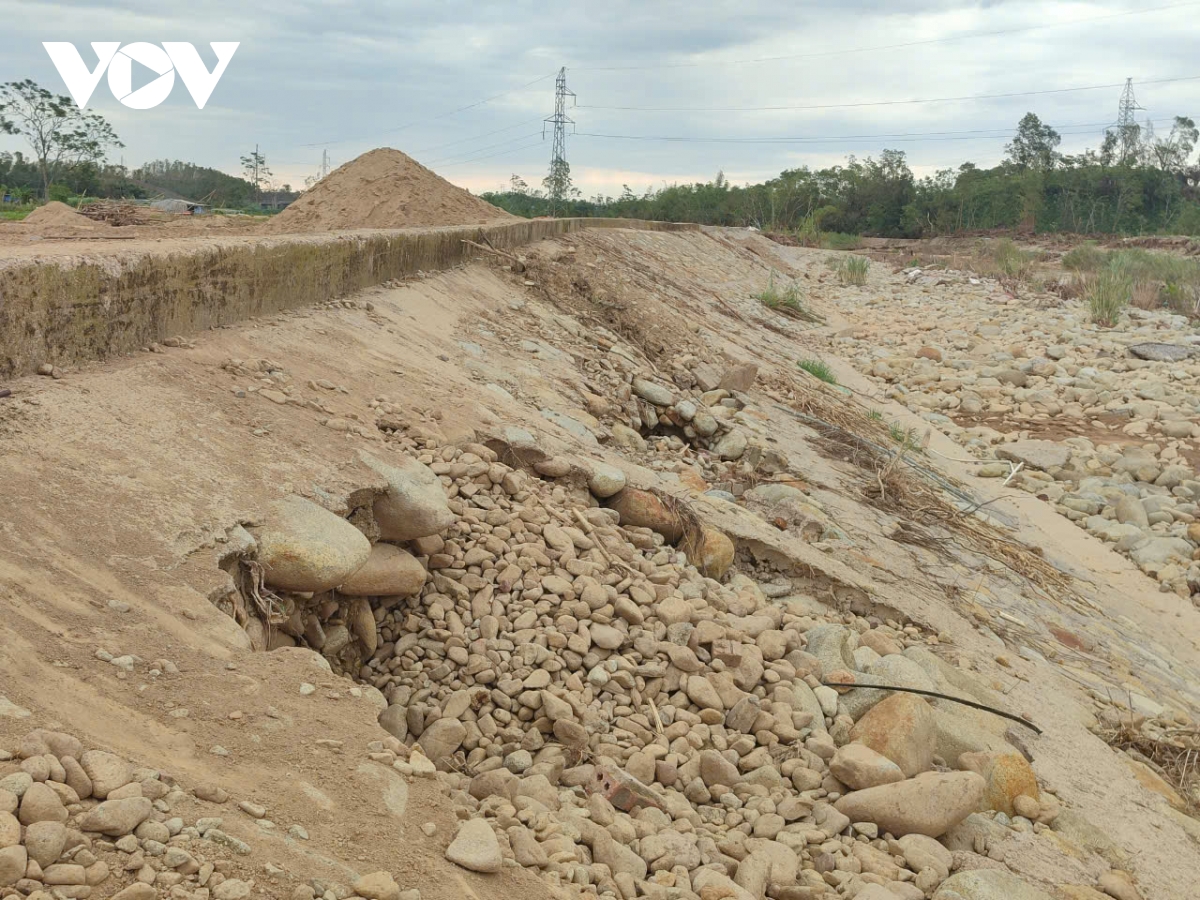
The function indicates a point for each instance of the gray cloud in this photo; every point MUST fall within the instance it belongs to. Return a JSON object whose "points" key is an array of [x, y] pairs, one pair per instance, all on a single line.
{"points": [[352, 75]]}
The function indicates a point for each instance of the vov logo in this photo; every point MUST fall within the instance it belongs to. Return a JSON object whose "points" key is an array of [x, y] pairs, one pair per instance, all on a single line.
{"points": [[165, 61]]}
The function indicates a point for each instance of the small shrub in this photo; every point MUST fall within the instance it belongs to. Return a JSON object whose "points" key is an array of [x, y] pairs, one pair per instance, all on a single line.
{"points": [[1145, 295], [853, 270], [1183, 299], [786, 301], [1084, 258], [1011, 261], [875, 415], [818, 369], [905, 437], [837, 240], [1107, 294]]}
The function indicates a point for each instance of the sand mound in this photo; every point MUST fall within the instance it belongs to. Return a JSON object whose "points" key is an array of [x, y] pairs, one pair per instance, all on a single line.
{"points": [[383, 189], [57, 215]]}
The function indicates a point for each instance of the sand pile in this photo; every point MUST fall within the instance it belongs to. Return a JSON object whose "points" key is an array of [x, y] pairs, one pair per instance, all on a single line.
{"points": [[383, 189], [57, 215]]}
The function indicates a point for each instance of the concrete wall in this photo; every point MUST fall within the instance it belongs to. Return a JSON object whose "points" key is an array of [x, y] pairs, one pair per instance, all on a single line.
{"points": [[83, 309]]}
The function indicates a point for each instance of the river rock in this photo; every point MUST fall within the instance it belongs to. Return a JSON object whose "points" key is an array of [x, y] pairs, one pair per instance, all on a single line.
{"points": [[305, 547], [10, 830], [1160, 352], [442, 739], [929, 804], [13, 861], [41, 804], [415, 503], [394, 720], [117, 817], [714, 555], [644, 509], [377, 886], [106, 771], [45, 842], [859, 767], [901, 728], [653, 393], [1035, 454], [988, 884], [1008, 777], [388, 572], [606, 481], [475, 847]]}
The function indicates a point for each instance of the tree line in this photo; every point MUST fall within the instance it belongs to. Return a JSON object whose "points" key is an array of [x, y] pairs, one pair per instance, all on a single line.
{"points": [[68, 157], [1137, 182]]}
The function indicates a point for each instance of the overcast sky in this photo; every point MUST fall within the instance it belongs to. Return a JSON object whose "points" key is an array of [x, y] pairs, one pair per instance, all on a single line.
{"points": [[346, 76]]}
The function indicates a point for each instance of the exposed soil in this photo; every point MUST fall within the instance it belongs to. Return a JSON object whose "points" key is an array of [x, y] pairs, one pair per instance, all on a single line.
{"points": [[383, 188], [123, 478], [57, 214]]}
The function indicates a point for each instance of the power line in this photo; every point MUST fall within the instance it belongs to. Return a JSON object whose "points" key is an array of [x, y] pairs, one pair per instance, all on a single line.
{"points": [[922, 43], [536, 143], [453, 156], [1089, 87], [436, 118], [973, 134], [478, 136]]}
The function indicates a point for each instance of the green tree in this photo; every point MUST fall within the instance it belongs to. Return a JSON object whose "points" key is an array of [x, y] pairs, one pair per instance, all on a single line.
{"points": [[558, 185], [60, 134], [254, 167], [1034, 145], [1172, 152]]}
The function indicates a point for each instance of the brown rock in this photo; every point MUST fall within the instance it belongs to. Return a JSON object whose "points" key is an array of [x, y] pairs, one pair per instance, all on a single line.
{"points": [[739, 378], [388, 572], [45, 842], [10, 830], [714, 555], [13, 861], [117, 817], [902, 728], [107, 771], [858, 767], [1008, 776], [644, 509], [41, 804], [65, 874], [930, 804], [77, 778], [377, 886]]}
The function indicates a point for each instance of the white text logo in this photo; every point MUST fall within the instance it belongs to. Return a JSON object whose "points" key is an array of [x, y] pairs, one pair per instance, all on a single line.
{"points": [[165, 61]]}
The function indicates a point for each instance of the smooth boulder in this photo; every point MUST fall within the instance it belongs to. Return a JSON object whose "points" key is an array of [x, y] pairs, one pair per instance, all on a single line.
{"points": [[645, 509], [930, 804], [305, 547], [475, 847], [388, 572], [902, 729], [117, 817], [414, 505], [988, 884], [859, 767]]}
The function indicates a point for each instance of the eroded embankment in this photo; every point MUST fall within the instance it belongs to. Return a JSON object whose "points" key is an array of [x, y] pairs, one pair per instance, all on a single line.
{"points": [[499, 471], [62, 311]]}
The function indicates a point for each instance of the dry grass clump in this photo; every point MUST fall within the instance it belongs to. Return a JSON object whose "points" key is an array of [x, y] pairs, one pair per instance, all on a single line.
{"points": [[1173, 752]]}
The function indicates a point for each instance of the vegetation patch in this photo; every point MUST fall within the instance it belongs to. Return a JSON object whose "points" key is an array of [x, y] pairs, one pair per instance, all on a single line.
{"points": [[819, 369]]}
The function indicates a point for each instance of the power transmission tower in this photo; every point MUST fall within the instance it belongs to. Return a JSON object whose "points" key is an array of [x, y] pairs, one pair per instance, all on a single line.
{"points": [[1127, 127], [559, 176], [324, 163]]}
